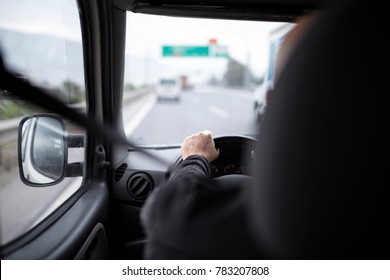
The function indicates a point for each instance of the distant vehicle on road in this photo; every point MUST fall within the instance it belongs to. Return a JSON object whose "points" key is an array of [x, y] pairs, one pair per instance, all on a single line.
{"points": [[169, 88]]}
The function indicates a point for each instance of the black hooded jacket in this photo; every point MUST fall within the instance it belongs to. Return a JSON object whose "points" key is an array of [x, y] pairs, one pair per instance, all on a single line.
{"points": [[193, 217]]}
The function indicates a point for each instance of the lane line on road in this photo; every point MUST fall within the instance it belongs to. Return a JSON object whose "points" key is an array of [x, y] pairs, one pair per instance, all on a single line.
{"points": [[137, 119], [218, 111]]}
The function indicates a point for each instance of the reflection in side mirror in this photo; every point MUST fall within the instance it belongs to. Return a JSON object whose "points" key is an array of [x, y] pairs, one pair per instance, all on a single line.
{"points": [[42, 150]]}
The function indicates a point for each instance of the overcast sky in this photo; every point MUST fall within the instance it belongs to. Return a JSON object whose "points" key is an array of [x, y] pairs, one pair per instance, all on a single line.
{"points": [[41, 17]]}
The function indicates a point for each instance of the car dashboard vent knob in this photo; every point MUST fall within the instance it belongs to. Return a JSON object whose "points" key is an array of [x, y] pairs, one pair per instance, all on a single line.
{"points": [[140, 185]]}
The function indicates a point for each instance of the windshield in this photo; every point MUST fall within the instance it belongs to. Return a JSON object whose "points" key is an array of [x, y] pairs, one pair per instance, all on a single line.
{"points": [[215, 65]]}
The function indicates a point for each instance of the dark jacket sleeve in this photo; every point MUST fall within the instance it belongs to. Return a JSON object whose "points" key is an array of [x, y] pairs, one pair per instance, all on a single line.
{"points": [[193, 217], [194, 165]]}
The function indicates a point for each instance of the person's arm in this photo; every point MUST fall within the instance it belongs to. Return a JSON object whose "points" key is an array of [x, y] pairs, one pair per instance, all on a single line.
{"points": [[194, 165], [197, 151], [193, 217], [201, 144]]}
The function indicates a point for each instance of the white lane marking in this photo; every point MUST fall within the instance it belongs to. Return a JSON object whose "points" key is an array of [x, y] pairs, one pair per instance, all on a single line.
{"points": [[218, 111], [131, 125]]}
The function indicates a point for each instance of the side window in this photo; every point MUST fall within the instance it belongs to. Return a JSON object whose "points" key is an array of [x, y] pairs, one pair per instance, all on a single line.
{"points": [[41, 42]]}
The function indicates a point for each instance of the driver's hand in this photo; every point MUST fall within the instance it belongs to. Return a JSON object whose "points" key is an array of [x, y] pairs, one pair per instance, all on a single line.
{"points": [[200, 144]]}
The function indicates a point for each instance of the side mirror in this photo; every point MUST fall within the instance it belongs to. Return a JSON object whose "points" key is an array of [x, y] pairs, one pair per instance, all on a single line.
{"points": [[43, 151]]}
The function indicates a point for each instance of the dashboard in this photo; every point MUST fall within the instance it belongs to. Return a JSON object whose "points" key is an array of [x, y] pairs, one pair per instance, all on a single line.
{"points": [[139, 174]]}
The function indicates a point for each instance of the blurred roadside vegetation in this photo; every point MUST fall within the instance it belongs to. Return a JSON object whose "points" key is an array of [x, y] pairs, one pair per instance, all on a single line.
{"points": [[68, 92], [15, 108]]}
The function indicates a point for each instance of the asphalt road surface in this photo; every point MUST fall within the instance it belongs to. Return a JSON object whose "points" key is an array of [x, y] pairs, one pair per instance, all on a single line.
{"points": [[222, 111]]}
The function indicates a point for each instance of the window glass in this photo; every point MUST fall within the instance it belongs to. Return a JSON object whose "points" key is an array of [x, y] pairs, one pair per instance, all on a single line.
{"points": [[40, 41], [47, 154], [217, 66]]}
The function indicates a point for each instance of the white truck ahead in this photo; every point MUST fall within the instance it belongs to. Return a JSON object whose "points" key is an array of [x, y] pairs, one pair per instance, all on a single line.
{"points": [[263, 91]]}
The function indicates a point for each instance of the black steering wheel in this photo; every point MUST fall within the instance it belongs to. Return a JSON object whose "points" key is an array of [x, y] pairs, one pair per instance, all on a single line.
{"points": [[235, 159]]}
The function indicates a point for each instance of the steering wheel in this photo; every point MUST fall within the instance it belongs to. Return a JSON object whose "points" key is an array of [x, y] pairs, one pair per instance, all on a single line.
{"points": [[235, 159]]}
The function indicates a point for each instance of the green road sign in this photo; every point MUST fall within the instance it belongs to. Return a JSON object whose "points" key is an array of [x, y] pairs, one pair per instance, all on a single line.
{"points": [[185, 51], [195, 51], [218, 51]]}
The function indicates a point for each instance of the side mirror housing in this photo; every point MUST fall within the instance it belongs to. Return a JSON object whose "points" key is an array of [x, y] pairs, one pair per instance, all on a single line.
{"points": [[43, 151]]}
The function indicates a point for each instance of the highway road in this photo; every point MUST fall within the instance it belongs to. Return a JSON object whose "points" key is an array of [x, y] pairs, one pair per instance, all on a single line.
{"points": [[222, 111]]}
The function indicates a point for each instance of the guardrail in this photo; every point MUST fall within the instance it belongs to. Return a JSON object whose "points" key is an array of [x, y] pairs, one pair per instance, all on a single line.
{"points": [[130, 96], [9, 128]]}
